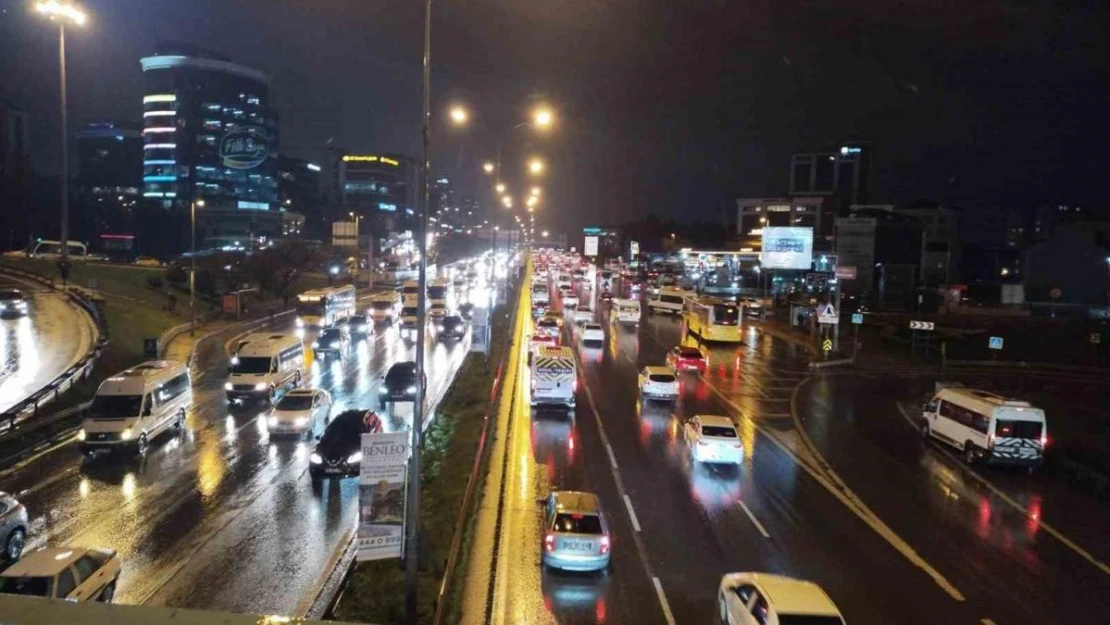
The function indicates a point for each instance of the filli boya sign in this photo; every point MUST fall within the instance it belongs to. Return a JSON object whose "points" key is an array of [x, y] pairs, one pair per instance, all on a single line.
{"points": [[245, 148]]}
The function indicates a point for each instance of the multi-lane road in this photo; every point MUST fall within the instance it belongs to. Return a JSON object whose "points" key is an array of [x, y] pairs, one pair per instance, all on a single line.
{"points": [[221, 516], [835, 486], [37, 347]]}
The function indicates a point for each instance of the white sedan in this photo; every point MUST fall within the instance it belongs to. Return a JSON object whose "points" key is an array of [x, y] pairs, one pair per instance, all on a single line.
{"points": [[658, 382], [70, 573], [570, 300], [763, 598], [300, 411], [593, 334], [713, 438]]}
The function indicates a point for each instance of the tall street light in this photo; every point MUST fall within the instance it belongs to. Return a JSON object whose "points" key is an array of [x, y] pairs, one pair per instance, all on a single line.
{"points": [[63, 12], [535, 166], [358, 261], [487, 167], [193, 265]]}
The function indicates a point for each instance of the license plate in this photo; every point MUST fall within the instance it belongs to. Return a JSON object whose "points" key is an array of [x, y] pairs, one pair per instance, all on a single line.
{"points": [[578, 546], [334, 470]]}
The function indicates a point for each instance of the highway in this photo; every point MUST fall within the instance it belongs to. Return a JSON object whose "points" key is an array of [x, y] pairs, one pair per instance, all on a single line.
{"points": [[221, 517], [36, 348], [835, 487]]}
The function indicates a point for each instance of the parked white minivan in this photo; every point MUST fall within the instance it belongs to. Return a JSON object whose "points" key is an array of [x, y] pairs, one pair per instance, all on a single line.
{"points": [[265, 365], [134, 407]]}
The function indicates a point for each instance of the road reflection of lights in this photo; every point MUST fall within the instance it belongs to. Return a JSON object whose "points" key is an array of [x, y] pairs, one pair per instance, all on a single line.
{"points": [[1033, 524], [83, 487], [715, 486], [271, 451], [127, 487], [301, 451], [229, 427], [746, 430]]}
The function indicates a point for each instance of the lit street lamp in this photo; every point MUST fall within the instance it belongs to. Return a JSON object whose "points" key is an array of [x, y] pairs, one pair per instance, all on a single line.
{"points": [[487, 167], [459, 116], [500, 188], [358, 261], [536, 191], [507, 201], [543, 118], [61, 13], [535, 166], [544, 234]]}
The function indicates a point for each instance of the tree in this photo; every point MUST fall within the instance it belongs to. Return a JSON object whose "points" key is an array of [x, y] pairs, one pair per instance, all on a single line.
{"points": [[278, 269]]}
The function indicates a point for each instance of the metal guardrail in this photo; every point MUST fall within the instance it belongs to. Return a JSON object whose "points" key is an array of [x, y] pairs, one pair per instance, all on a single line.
{"points": [[28, 409]]}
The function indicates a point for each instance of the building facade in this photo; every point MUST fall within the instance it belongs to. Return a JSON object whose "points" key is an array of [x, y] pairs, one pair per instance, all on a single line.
{"points": [[15, 174], [381, 189], [210, 134], [842, 173], [940, 248], [755, 214], [109, 183]]}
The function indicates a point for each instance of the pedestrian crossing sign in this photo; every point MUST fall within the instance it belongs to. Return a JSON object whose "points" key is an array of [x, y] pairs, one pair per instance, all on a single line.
{"points": [[827, 314]]}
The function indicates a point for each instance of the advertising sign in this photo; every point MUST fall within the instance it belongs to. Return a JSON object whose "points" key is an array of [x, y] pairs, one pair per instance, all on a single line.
{"points": [[591, 246], [633, 250], [245, 148], [381, 495], [787, 248], [479, 331], [855, 247], [343, 234]]}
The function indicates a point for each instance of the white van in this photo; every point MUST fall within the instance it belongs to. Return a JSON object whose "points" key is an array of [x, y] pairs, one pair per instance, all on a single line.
{"points": [[987, 427], [554, 376], [384, 307], [437, 291], [132, 408], [668, 300], [410, 293], [625, 310], [265, 365]]}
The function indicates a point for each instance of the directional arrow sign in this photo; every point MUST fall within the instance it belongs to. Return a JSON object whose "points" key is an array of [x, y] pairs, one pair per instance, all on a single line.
{"points": [[827, 345], [921, 325]]}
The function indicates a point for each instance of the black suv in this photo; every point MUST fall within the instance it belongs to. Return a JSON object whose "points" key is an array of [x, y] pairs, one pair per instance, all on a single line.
{"points": [[451, 327], [399, 384], [330, 341], [13, 303], [360, 326], [339, 452]]}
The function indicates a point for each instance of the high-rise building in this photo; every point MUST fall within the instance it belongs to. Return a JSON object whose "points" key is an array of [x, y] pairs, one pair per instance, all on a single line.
{"points": [[109, 160], [381, 190], [843, 172], [209, 133], [299, 191], [15, 173]]}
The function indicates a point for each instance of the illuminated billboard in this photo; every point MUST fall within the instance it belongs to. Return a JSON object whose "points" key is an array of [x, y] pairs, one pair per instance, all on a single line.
{"points": [[787, 248], [591, 246]]}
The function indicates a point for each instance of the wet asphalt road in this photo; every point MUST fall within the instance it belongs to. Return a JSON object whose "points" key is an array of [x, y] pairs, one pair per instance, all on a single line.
{"points": [[37, 347], [220, 517], [891, 528]]}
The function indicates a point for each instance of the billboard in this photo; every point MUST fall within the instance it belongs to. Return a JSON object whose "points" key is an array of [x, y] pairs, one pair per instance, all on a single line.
{"points": [[591, 246], [381, 495], [787, 248], [855, 247], [633, 250]]}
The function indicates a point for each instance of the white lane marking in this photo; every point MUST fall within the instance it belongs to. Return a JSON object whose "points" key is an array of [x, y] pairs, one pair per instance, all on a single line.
{"points": [[632, 513], [663, 600], [751, 517], [612, 458], [987, 621], [1067, 542]]}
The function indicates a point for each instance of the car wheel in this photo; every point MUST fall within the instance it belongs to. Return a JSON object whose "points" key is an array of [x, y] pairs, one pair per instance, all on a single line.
{"points": [[179, 424], [723, 611], [272, 395], [108, 593], [969, 452], [925, 432], [141, 446], [297, 380], [14, 547]]}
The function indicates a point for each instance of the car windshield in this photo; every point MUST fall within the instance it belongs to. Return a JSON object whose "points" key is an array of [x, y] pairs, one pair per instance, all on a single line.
{"points": [[295, 402], [718, 431], [661, 377], [726, 314], [310, 307], [1018, 429], [107, 407], [547, 323], [10, 295], [577, 523], [30, 586], [402, 373], [250, 364], [358, 320], [345, 427], [689, 352], [408, 311], [809, 619], [330, 334], [381, 305]]}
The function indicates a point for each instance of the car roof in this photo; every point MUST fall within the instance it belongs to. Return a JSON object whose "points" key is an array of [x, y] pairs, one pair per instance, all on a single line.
{"points": [[650, 369], [716, 421], [44, 562], [302, 391], [576, 501], [795, 596], [593, 325]]}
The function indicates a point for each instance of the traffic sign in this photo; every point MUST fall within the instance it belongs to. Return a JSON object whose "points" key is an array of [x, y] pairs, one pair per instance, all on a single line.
{"points": [[995, 342], [827, 314], [922, 325], [857, 318], [846, 272], [817, 280], [827, 345]]}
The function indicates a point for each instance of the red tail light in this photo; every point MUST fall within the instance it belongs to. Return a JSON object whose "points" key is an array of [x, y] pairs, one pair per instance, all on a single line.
{"points": [[1044, 441], [604, 545], [574, 386], [549, 543], [990, 441]]}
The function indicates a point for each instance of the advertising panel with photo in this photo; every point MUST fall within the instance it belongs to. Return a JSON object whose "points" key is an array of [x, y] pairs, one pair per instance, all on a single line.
{"points": [[381, 495], [787, 248]]}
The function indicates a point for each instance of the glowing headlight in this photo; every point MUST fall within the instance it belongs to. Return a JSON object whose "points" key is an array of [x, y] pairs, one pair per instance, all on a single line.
{"points": [[411, 389], [315, 458], [439, 327], [382, 390], [261, 386], [300, 421], [81, 434], [316, 344], [228, 386], [125, 434], [354, 458], [300, 322], [363, 327], [272, 421]]}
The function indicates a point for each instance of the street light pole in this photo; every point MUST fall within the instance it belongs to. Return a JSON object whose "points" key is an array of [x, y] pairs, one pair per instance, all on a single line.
{"points": [[193, 265], [64, 239], [412, 516]]}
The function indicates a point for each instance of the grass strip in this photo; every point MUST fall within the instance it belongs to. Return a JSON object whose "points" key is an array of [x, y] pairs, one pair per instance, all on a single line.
{"points": [[375, 592]]}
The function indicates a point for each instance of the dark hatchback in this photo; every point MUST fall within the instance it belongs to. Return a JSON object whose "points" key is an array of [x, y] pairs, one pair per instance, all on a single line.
{"points": [[360, 326], [399, 384], [451, 327], [330, 341], [339, 450]]}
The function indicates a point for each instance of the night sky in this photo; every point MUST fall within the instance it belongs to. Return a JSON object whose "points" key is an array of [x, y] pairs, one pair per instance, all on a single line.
{"points": [[673, 108]]}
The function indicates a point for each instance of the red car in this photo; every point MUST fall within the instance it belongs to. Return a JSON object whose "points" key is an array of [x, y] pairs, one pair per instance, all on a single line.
{"points": [[684, 358]]}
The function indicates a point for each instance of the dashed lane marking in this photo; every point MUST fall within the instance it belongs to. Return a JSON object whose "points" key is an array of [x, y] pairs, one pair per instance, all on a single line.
{"points": [[751, 517], [632, 513], [663, 600]]}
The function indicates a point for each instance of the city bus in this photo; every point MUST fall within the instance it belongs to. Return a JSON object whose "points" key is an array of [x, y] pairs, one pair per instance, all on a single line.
{"points": [[712, 319], [437, 291], [322, 307]]}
